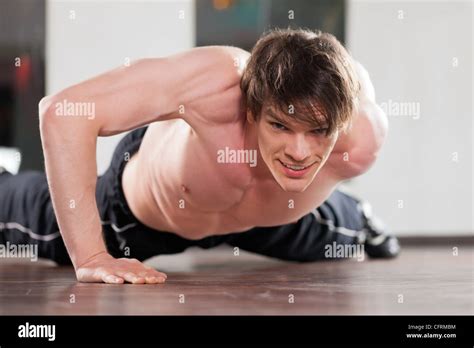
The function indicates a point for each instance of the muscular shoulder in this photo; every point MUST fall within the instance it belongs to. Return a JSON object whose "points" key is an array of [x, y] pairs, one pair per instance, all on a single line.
{"points": [[371, 114], [357, 149], [367, 91], [207, 69], [237, 55], [208, 76]]}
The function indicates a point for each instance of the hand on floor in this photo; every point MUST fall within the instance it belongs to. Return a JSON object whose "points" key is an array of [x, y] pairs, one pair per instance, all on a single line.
{"points": [[104, 268]]}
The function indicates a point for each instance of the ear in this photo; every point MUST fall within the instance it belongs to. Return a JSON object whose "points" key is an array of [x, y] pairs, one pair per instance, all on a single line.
{"points": [[250, 117]]}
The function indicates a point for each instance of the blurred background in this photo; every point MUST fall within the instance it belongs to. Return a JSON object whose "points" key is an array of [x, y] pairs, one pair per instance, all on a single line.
{"points": [[419, 56]]}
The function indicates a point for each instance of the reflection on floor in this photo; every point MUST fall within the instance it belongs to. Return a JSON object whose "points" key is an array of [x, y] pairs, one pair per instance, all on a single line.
{"points": [[423, 280]]}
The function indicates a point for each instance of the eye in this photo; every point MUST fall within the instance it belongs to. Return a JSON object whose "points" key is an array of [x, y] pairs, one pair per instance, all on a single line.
{"points": [[279, 126], [320, 131]]}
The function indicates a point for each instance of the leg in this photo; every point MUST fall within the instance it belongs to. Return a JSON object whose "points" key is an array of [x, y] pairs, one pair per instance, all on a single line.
{"points": [[141, 242], [338, 220], [27, 216]]}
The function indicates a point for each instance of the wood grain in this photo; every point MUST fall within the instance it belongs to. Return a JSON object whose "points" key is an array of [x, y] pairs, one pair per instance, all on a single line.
{"points": [[431, 280]]}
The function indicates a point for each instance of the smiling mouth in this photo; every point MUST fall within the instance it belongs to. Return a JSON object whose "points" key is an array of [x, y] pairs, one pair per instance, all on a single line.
{"points": [[296, 167]]}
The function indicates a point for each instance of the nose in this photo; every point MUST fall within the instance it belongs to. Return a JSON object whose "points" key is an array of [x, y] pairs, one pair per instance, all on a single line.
{"points": [[298, 149]]}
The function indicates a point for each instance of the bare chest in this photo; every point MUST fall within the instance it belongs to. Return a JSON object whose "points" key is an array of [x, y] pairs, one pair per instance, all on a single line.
{"points": [[188, 182]]}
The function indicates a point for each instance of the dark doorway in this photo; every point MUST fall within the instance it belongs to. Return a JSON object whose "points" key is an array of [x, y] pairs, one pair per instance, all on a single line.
{"points": [[241, 22], [22, 76]]}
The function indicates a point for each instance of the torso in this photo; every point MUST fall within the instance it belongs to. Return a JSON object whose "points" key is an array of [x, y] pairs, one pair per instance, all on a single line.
{"points": [[174, 183]]}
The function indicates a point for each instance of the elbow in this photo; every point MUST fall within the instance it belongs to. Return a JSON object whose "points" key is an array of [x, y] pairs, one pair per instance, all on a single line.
{"points": [[46, 116], [357, 166], [380, 126], [368, 151], [363, 163], [50, 126], [56, 129], [46, 111], [364, 156], [44, 104]]}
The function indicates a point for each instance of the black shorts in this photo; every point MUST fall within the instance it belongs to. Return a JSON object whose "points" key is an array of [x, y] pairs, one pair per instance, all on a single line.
{"points": [[27, 217]]}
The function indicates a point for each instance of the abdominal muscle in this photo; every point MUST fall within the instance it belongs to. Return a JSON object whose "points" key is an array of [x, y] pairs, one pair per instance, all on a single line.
{"points": [[173, 184]]}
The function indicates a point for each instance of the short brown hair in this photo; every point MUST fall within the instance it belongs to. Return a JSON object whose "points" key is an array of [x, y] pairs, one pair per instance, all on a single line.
{"points": [[308, 70]]}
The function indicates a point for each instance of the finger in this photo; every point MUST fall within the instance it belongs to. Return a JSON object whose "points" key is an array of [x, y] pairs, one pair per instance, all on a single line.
{"points": [[153, 273], [161, 274], [152, 277], [154, 280], [132, 278], [112, 279], [90, 275]]}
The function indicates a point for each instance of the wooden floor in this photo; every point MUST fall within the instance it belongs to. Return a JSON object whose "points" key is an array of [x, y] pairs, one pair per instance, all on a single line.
{"points": [[427, 280]]}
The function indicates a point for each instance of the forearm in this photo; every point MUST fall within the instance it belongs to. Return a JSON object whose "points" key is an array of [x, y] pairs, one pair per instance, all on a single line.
{"points": [[69, 147]]}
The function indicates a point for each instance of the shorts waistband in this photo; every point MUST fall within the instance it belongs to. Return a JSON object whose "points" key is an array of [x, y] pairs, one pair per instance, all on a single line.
{"points": [[127, 147]]}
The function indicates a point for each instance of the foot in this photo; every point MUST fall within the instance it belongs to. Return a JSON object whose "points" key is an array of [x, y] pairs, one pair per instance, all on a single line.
{"points": [[379, 242]]}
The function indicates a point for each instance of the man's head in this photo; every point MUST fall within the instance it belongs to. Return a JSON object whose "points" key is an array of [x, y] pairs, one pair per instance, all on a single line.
{"points": [[300, 91]]}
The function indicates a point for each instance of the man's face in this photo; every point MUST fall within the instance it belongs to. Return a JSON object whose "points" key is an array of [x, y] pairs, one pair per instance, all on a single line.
{"points": [[293, 152]]}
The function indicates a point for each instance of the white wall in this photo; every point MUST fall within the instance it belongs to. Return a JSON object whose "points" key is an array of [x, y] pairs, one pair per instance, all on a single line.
{"points": [[104, 34], [410, 59]]}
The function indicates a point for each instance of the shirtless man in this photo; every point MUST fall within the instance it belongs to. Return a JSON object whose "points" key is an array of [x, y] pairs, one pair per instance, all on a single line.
{"points": [[298, 102]]}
